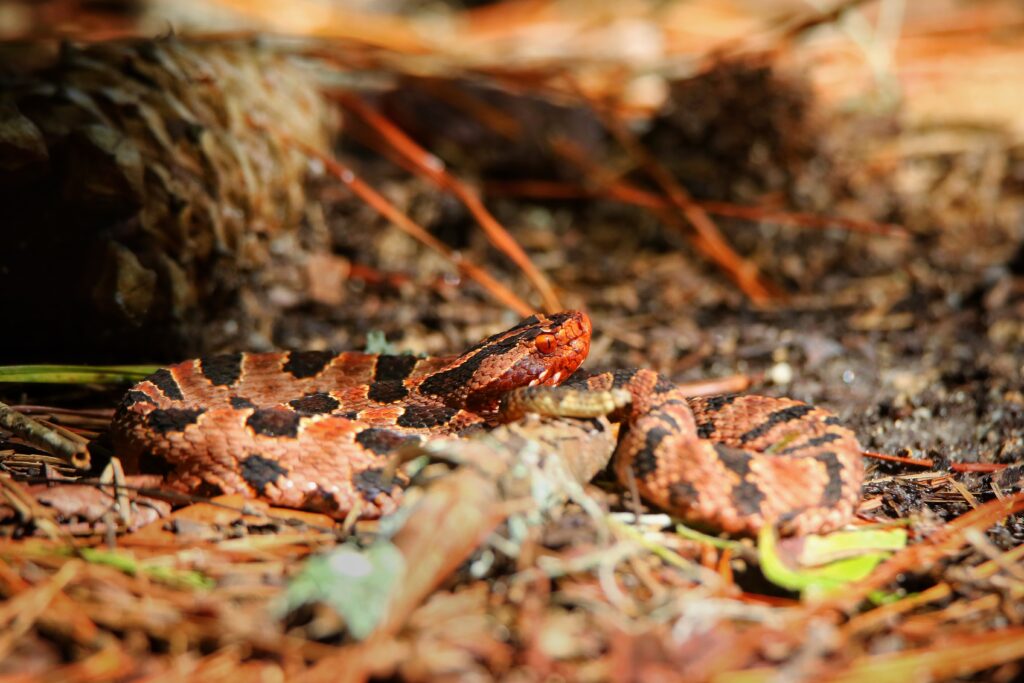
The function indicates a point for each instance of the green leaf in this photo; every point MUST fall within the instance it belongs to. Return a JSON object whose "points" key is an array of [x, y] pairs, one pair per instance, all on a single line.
{"points": [[818, 565], [75, 374], [714, 541], [129, 564], [376, 342], [355, 583]]}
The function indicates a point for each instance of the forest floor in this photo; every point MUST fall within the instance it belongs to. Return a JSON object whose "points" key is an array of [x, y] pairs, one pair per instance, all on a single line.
{"points": [[898, 305]]}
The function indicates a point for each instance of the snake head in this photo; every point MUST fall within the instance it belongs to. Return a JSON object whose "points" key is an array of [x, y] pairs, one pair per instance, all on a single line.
{"points": [[542, 349], [550, 348]]}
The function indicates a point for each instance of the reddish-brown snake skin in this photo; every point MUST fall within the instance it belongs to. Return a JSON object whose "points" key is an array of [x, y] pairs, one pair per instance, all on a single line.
{"points": [[313, 429]]}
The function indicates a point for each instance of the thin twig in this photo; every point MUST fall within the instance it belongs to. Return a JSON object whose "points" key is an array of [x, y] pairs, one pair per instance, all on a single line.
{"points": [[433, 169], [627, 193], [706, 237], [413, 229], [930, 464]]}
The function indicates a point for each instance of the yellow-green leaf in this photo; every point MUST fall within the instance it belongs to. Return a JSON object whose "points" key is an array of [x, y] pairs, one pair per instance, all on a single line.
{"points": [[818, 565], [75, 374]]}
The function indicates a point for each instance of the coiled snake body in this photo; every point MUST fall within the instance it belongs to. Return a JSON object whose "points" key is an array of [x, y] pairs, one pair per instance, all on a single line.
{"points": [[313, 429]]}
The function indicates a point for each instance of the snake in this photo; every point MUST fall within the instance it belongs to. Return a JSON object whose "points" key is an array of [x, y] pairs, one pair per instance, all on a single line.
{"points": [[315, 430]]}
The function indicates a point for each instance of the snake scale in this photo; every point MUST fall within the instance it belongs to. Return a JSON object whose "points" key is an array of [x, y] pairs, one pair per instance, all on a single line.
{"points": [[313, 429]]}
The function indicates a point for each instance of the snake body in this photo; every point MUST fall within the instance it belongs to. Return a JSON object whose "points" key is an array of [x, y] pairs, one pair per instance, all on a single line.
{"points": [[313, 429]]}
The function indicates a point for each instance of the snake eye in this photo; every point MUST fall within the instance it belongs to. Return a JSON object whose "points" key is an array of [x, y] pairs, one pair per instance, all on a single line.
{"points": [[545, 342]]}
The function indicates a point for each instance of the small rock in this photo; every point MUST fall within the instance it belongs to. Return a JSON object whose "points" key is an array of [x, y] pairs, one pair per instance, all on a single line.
{"points": [[780, 373]]}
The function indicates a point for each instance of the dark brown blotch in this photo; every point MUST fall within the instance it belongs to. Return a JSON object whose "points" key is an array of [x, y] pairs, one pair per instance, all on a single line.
{"points": [[241, 402], [833, 492], [706, 430], [164, 380], [663, 385], [303, 364], [382, 441], [666, 417], [682, 494], [821, 440], [321, 500], [715, 403], [734, 459], [135, 396], [387, 391], [317, 403], [581, 379], [447, 381], [165, 420], [778, 417], [748, 498], [274, 422], [222, 371], [373, 483], [622, 378], [645, 462], [394, 368], [426, 417], [259, 471]]}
